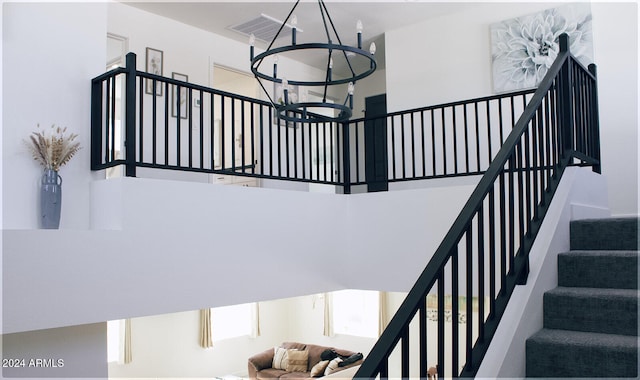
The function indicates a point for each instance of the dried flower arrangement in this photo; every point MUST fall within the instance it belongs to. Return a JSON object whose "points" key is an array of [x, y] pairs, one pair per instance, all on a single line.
{"points": [[53, 150]]}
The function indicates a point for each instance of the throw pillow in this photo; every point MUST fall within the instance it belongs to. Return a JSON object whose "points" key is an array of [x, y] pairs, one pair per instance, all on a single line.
{"points": [[332, 366], [318, 369], [279, 358], [297, 361]]}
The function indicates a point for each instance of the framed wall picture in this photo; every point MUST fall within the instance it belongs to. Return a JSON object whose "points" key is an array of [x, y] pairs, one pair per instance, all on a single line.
{"points": [[524, 48], [179, 99], [154, 63]]}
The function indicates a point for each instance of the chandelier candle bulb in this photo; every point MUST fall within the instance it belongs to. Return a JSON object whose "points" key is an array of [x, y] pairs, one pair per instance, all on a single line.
{"points": [[359, 30], [350, 90], [275, 65], [285, 90], [294, 27], [372, 50], [252, 43], [330, 70]]}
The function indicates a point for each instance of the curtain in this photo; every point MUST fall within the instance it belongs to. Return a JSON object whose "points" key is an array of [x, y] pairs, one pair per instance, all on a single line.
{"points": [[126, 342], [328, 315], [383, 316], [255, 320], [205, 328]]}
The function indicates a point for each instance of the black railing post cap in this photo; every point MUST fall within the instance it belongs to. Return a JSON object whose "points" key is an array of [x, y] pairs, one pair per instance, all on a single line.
{"points": [[563, 41]]}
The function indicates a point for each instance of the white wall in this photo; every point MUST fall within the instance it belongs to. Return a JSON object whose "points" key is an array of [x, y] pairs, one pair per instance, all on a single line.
{"points": [[615, 28], [452, 62], [177, 236], [391, 229], [50, 51], [68, 352]]}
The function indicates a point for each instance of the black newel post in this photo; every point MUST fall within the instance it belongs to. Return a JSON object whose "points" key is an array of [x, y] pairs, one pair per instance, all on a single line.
{"points": [[96, 123], [130, 116], [346, 162], [595, 122], [566, 99]]}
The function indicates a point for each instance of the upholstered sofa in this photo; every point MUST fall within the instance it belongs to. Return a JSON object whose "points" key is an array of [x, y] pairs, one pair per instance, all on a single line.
{"points": [[304, 363]]}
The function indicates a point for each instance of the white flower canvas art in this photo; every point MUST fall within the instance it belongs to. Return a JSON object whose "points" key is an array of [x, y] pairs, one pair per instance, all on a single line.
{"points": [[524, 48]]}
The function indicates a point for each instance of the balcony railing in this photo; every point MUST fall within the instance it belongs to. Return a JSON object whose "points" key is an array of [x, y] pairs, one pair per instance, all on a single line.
{"points": [[175, 125]]}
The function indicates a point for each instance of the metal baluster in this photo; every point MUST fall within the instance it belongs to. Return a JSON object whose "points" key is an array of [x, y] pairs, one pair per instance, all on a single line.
{"points": [[455, 139], [166, 125], [455, 313], [141, 119], [393, 147], [423, 146], [475, 106], [413, 145], [489, 134], [201, 129], [189, 112], [441, 339], [469, 297], [223, 127], [422, 316], [433, 141]]}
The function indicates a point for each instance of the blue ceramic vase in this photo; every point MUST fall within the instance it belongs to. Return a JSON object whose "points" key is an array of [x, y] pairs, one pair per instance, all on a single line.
{"points": [[50, 199]]}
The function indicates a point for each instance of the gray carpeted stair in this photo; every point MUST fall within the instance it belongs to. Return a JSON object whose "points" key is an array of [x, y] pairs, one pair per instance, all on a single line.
{"points": [[617, 234], [591, 318], [587, 269]]}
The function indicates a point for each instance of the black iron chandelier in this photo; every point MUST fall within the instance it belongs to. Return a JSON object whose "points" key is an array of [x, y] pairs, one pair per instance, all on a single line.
{"points": [[294, 106]]}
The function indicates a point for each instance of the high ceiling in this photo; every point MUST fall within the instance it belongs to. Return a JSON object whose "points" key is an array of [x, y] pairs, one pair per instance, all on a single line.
{"points": [[377, 17]]}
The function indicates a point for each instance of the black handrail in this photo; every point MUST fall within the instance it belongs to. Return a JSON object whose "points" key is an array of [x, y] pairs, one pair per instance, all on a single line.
{"points": [[497, 226]]}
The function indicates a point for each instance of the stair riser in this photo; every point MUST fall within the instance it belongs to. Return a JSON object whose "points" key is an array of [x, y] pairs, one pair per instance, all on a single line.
{"points": [[618, 315], [557, 360], [609, 234], [598, 271]]}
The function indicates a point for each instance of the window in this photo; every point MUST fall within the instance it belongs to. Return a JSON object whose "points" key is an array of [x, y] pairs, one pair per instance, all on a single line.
{"points": [[230, 321], [113, 340], [356, 312]]}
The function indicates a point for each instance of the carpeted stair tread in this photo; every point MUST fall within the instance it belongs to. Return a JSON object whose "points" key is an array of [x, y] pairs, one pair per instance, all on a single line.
{"points": [[610, 311], [604, 234], [598, 269], [560, 353]]}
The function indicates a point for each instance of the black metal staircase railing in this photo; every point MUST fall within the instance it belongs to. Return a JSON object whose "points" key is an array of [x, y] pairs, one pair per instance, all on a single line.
{"points": [[485, 253]]}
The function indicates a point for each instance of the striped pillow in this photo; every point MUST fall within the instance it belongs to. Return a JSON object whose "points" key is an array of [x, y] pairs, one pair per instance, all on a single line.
{"points": [[298, 361], [318, 369], [280, 358], [332, 366]]}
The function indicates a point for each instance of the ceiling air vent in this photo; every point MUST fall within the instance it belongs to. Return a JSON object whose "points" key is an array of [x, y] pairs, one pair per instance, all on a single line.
{"points": [[263, 27]]}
